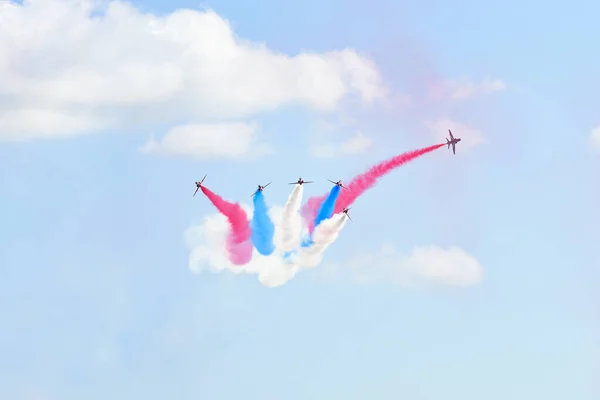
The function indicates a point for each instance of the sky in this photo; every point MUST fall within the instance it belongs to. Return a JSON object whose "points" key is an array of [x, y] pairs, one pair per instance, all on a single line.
{"points": [[467, 276]]}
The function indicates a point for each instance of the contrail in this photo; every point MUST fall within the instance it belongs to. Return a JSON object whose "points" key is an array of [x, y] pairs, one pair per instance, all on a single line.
{"points": [[361, 183], [323, 236], [261, 226], [239, 246], [290, 220]]}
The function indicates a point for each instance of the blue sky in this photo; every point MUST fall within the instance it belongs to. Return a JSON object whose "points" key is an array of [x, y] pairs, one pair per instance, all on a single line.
{"points": [[97, 295]]}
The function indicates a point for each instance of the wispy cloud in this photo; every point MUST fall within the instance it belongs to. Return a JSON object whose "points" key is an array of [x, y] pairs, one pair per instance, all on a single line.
{"points": [[463, 89], [423, 265], [356, 144], [234, 140], [595, 138]]}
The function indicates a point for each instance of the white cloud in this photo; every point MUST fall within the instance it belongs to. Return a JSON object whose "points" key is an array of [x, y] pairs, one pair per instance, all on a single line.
{"points": [[463, 89], [335, 123], [470, 137], [452, 266], [324, 151], [27, 123], [63, 72], [424, 265], [205, 141], [595, 138], [355, 144]]}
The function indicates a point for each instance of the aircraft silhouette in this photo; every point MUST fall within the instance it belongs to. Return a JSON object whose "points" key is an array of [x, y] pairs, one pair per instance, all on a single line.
{"points": [[199, 185], [260, 188], [338, 183], [452, 141], [345, 211], [299, 182]]}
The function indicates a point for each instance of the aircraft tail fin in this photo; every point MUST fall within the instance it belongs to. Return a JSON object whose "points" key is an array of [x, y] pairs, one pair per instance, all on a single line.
{"points": [[448, 142]]}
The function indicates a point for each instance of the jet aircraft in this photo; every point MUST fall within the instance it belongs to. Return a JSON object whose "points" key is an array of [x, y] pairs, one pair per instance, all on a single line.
{"points": [[452, 141], [260, 188], [199, 185], [299, 182], [338, 183], [345, 211]]}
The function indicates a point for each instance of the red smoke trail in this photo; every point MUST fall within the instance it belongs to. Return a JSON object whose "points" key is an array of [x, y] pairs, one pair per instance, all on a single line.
{"points": [[239, 245], [361, 183]]}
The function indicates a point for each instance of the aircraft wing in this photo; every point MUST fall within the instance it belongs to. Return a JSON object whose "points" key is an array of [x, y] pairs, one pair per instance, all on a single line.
{"points": [[196, 191], [252, 195], [309, 182], [267, 184], [454, 148], [451, 137]]}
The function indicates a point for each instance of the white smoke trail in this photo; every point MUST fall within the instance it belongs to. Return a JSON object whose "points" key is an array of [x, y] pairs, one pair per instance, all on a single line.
{"points": [[291, 222], [208, 250], [323, 236]]}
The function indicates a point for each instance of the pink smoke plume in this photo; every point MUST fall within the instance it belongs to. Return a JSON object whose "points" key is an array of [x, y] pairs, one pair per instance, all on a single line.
{"points": [[239, 245], [361, 183]]}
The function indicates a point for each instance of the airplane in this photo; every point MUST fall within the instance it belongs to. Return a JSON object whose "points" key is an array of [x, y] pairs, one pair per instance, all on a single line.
{"points": [[339, 183], [299, 182], [260, 188], [452, 142], [199, 185], [345, 211]]}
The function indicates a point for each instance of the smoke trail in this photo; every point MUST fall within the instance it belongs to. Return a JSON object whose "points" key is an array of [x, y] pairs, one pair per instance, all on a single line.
{"points": [[261, 226], [323, 236], [310, 209], [290, 221], [326, 210], [239, 246], [361, 183]]}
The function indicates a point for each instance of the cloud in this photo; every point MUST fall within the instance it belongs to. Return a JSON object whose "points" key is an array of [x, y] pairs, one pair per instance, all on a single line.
{"points": [[324, 151], [464, 89], [424, 265], [71, 67], [206, 141], [451, 266], [439, 129], [355, 144], [335, 123], [595, 138], [27, 123]]}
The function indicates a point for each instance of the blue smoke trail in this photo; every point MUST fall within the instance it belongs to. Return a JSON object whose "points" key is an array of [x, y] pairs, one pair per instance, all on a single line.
{"points": [[262, 227], [325, 212]]}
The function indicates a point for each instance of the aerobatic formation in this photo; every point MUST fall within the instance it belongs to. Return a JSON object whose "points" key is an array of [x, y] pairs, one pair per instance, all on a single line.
{"points": [[323, 216]]}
